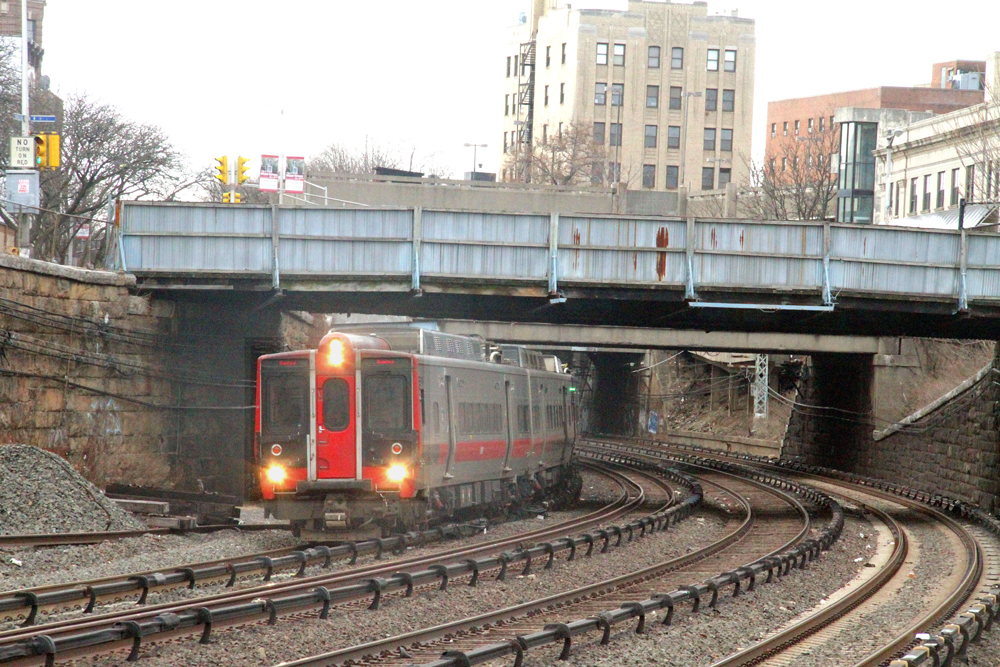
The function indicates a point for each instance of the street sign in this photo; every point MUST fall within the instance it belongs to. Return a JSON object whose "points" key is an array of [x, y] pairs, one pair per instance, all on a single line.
{"points": [[20, 117], [22, 152], [22, 191], [43, 119]]}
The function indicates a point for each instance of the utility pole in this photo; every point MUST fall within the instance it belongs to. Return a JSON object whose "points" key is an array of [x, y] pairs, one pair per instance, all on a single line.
{"points": [[25, 102]]}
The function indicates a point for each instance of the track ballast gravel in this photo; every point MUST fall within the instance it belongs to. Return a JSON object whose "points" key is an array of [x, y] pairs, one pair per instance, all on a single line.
{"points": [[40, 492]]}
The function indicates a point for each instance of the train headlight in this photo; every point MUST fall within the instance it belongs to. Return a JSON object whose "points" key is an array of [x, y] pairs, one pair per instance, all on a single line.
{"points": [[397, 473], [276, 474], [336, 355]]}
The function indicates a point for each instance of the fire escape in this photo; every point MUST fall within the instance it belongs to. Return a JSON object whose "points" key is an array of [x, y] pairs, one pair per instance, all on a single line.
{"points": [[526, 103]]}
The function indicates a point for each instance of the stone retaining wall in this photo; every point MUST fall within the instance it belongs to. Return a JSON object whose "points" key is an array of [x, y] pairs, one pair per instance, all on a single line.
{"points": [[954, 448]]}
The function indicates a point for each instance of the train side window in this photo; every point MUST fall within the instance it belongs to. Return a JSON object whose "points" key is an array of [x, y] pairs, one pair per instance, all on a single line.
{"points": [[336, 404]]}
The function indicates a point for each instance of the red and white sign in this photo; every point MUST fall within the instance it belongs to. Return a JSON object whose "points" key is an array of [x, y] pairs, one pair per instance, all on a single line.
{"points": [[295, 174], [269, 173], [23, 186]]}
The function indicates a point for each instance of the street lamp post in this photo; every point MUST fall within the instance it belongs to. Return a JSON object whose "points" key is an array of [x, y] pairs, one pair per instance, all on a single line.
{"points": [[475, 147]]}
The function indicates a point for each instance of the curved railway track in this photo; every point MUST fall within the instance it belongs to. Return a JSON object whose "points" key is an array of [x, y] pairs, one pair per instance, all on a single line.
{"points": [[776, 522], [787, 645], [21, 645]]}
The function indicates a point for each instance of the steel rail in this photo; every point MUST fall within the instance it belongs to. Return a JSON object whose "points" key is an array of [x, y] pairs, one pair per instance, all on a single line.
{"points": [[96, 537], [623, 504], [370, 651]]}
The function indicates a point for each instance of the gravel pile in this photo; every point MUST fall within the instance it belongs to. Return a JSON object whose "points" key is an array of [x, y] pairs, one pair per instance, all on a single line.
{"points": [[41, 493]]}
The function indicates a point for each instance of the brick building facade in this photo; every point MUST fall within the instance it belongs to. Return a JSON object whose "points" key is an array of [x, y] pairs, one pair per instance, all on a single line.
{"points": [[10, 26]]}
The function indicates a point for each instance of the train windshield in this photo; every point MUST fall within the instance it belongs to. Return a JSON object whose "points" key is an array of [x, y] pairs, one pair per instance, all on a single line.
{"points": [[284, 401], [386, 402]]}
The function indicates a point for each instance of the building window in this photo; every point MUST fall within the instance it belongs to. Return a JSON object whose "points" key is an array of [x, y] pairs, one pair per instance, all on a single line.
{"points": [[599, 133], [770, 165], [564, 53], [784, 128], [831, 123], [913, 196], [708, 178], [730, 60], [821, 119], [677, 58], [713, 60], [548, 56], [653, 61], [954, 187], [516, 73], [546, 96], [652, 96], [596, 173], [796, 128], [709, 139], [728, 100], [650, 140], [600, 94], [899, 186], [711, 99], [616, 134], [724, 176], [672, 175], [970, 183], [562, 93], [774, 129], [856, 180], [940, 190], [504, 142], [619, 55], [673, 136], [676, 92], [508, 67], [726, 140], [617, 94], [506, 105], [927, 193], [545, 134], [649, 175], [809, 126], [615, 171], [784, 164], [602, 53]]}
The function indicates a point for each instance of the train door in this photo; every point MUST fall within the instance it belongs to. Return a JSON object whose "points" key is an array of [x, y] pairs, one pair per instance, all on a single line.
{"points": [[510, 426], [452, 436]]}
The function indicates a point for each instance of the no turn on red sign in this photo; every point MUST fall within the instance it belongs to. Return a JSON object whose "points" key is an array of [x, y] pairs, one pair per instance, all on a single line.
{"points": [[22, 152]]}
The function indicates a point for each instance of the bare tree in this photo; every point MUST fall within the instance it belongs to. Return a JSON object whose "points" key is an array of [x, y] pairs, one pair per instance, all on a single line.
{"points": [[977, 143], [573, 156], [104, 157], [339, 158], [795, 181], [10, 94]]}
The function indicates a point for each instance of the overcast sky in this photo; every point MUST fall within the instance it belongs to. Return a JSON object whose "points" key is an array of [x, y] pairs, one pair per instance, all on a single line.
{"points": [[427, 74]]}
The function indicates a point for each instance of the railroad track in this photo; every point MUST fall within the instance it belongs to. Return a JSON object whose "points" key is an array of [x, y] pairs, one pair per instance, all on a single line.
{"points": [[513, 630], [76, 637], [978, 571]]}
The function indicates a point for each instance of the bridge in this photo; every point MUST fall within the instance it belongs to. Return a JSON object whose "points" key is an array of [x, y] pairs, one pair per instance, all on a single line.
{"points": [[815, 278]]}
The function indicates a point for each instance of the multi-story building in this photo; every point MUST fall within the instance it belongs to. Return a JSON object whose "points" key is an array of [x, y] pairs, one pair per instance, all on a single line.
{"points": [[924, 169], [663, 90], [10, 26]]}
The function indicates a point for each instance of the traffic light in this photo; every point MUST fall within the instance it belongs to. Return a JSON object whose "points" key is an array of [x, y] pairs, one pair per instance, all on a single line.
{"points": [[225, 197], [53, 151], [231, 198], [238, 198], [241, 170], [223, 169], [41, 151]]}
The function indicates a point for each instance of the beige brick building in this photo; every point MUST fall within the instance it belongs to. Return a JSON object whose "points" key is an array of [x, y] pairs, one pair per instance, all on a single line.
{"points": [[666, 88]]}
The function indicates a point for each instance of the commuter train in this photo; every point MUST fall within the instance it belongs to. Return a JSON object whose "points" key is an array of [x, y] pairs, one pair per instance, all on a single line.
{"points": [[405, 427]]}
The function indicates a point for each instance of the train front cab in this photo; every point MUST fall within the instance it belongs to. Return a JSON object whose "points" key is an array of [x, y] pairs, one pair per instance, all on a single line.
{"points": [[325, 464]]}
